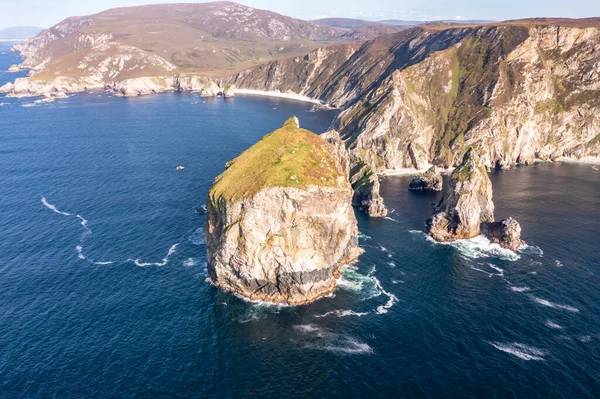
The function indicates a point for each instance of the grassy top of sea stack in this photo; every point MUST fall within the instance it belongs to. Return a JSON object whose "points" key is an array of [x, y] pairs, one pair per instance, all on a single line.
{"points": [[288, 157]]}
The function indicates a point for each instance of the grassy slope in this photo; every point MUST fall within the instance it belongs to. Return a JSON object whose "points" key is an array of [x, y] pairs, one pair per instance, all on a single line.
{"points": [[288, 157]]}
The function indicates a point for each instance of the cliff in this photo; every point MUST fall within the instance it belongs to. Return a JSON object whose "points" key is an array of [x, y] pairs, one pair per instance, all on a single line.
{"points": [[280, 223]]}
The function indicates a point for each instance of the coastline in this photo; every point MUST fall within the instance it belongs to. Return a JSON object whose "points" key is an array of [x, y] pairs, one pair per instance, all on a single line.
{"points": [[278, 94]]}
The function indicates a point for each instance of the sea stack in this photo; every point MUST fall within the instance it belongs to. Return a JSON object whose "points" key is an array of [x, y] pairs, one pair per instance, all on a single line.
{"points": [[431, 180], [467, 209], [280, 222]]}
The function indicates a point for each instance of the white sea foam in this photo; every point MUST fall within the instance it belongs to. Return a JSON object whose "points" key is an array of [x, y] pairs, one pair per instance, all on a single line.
{"points": [[391, 264], [28, 105], [558, 263], [53, 208], [327, 340], [521, 351], [481, 247], [363, 236], [551, 324], [397, 282], [163, 262], [517, 288], [531, 250], [104, 263], [80, 254], [545, 302], [496, 268], [278, 94], [343, 313], [392, 219], [84, 222], [392, 299], [585, 338], [191, 262], [197, 237]]}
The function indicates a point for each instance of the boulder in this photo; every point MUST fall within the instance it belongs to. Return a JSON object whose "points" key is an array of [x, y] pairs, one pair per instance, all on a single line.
{"points": [[280, 223], [506, 232], [431, 180]]}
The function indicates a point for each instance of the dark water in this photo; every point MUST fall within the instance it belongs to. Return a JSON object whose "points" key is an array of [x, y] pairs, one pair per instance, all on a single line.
{"points": [[411, 319]]}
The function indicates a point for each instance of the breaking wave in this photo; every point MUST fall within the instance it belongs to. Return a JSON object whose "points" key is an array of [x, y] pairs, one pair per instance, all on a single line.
{"points": [[475, 248], [343, 313], [521, 351]]}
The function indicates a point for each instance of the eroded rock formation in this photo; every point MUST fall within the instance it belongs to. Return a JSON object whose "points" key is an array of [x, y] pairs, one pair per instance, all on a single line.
{"points": [[467, 209], [280, 222], [431, 180]]}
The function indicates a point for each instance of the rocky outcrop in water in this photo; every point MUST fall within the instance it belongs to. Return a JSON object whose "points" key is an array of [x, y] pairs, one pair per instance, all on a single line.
{"points": [[280, 222], [506, 232], [467, 209], [431, 180], [466, 205]]}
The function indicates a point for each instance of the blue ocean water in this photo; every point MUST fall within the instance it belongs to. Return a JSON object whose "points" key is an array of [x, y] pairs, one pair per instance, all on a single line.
{"points": [[103, 271]]}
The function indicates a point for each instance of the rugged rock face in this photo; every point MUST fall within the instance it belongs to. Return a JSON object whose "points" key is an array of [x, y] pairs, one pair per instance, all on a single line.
{"points": [[280, 223], [467, 204], [506, 232], [467, 210], [431, 180]]}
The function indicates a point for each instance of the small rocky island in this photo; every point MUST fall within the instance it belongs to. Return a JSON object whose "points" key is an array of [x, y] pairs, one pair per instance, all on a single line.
{"points": [[431, 180], [467, 209], [280, 223]]}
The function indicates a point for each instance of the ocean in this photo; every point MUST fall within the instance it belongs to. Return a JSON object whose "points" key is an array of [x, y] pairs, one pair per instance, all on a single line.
{"points": [[103, 271]]}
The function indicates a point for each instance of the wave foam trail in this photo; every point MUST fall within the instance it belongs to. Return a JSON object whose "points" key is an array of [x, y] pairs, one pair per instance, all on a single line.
{"points": [[327, 340], [545, 302], [343, 313], [523, 288], [164, 261], [53, 208], [521, 351], [79, 250], [392, 299], [551, 324], [84, 222]]}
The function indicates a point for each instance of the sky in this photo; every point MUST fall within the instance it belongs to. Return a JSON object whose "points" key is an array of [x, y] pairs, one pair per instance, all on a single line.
{"points": [[45, 13]]}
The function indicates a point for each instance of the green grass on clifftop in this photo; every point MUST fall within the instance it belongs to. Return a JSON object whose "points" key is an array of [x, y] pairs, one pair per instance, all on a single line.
{"points": [[288, 157]]}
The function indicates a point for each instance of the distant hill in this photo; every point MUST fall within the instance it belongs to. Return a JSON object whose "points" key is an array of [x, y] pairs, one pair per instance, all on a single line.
{"points": [[349, 23], [346, 23], [19, 32], [159, 39]]}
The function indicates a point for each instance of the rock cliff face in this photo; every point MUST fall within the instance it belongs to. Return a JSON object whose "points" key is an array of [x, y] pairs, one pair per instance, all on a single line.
{"points": [[280, 223], [467, 204], [515, 92], [467, 209]]}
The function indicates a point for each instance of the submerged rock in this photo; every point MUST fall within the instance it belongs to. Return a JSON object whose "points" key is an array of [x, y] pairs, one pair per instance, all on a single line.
{"points": [[429, 181], [506, 232], [280, 222], [467, 209]]}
